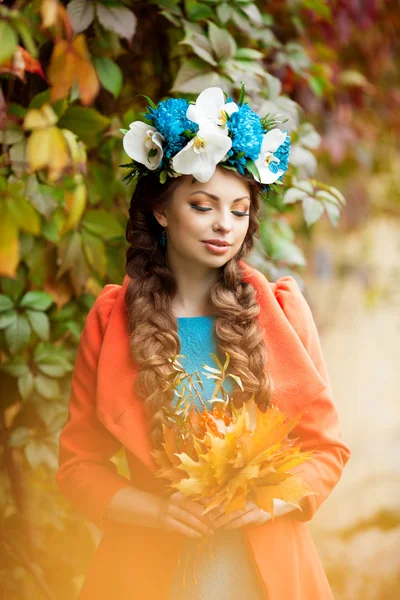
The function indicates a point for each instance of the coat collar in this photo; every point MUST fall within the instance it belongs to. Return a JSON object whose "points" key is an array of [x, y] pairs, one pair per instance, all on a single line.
{"points": [[121, 410]]}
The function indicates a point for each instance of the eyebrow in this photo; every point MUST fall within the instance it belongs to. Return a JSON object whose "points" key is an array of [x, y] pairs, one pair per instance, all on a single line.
{"points": [[216, 197]]}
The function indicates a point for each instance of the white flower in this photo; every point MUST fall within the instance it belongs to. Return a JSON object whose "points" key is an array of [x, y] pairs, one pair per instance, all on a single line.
{"points": [[209, 110], [270, 144], [202, 154], [140, 140]]}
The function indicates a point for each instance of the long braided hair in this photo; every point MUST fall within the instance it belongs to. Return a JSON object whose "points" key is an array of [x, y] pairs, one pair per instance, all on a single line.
{"points": [[152, 324]]}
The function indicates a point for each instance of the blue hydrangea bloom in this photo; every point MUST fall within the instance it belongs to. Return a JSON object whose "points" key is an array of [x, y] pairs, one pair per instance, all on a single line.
{"points": [[283, 154], [247, 134], [169, 119]]}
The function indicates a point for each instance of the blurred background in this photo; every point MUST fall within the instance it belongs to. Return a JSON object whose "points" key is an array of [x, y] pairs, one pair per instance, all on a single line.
{"points": [[71, 74]]}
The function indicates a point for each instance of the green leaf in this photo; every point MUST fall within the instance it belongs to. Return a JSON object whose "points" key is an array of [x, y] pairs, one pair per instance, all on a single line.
{"points": [[27, 38], [103, 224], [16, 367], [149, 100], [248, 54], [54, 366], [13, 288], [87, 123], [9, 41], [312, 210], [118, 19], [200, 46], [40, 323], [110, 74], [197, 11], [39, 453], [222, 42], [6, 318], [18, 334], [251, 167], [224, 12], [95, 252], [36, 300], [25, 385], [22, 214], [81, 13], [163, 177], [48, 388], [5, 303]]}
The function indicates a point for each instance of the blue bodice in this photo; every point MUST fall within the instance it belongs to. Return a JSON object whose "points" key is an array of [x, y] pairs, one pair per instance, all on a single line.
{"points": [[228, 572]]}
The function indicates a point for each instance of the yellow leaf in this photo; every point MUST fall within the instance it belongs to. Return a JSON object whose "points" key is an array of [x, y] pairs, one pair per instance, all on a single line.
{"points": [[75, 201], [9, 248], [40, 118], [292, 491], [49, 11], [47, 148]]}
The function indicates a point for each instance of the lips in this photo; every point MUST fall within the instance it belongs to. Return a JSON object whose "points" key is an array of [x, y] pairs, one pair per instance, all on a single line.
{"points": [[217, 242]]}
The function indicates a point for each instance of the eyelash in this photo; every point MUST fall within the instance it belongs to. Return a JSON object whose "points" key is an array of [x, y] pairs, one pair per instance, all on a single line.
{"points": [[235, 212]]}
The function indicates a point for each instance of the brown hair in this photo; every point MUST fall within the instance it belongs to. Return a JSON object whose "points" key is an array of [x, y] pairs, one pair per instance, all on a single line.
{"points": [[152, 324]]}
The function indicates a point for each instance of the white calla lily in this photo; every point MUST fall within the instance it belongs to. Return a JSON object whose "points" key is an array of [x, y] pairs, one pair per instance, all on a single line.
{"points": [[202, 154], [140, 140], [270, 144], [210, 108]]}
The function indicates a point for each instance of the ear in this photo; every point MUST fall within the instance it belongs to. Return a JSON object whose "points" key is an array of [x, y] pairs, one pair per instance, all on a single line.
{"points": [[161, 217]]}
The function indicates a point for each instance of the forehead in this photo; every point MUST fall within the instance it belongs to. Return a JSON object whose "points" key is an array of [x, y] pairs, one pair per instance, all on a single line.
{"points": [[223, 184]]}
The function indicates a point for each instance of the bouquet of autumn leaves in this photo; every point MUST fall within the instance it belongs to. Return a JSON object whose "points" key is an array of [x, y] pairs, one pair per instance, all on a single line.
{"points": [[227, 455]]}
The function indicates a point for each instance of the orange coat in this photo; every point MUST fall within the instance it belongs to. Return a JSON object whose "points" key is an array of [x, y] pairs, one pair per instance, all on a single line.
{"points": [[137, 563]]}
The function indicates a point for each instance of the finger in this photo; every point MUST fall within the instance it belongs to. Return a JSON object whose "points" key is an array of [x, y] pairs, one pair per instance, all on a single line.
{"points": [[194, 507], [255, 517], [223, 519], [179, 527], [188, 518], [246, 519]]}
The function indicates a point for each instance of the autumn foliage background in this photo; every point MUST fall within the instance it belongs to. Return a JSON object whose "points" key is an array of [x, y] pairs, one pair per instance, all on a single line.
{"points": [[71, 76]]}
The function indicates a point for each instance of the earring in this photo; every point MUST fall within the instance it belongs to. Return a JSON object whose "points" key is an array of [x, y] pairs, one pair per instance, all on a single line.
{"points": [[163, 240]]}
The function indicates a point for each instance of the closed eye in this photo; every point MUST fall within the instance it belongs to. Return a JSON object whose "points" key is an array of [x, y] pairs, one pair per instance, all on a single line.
{"points": [[205, 209]]}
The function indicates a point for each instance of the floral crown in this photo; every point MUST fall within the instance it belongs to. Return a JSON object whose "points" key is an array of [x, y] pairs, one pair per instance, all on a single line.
{"points": [[182, 138]]}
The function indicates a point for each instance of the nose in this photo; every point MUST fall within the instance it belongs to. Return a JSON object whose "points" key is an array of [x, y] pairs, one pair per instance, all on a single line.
{"points": [[223, 222]]}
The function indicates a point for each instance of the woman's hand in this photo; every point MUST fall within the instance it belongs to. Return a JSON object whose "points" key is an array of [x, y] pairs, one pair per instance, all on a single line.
{"points": [[250, 515], [178, 513]]}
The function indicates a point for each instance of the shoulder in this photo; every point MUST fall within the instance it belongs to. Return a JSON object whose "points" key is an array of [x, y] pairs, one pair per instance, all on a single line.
{"points": [[287, 294]]}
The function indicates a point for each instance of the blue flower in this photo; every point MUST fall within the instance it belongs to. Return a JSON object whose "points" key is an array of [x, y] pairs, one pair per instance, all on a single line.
{"points": [[247, 134], [169, 118], [283, 154]]}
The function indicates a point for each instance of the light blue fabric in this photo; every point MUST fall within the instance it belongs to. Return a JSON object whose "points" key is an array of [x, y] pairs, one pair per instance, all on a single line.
{"points": [[228, 573]]}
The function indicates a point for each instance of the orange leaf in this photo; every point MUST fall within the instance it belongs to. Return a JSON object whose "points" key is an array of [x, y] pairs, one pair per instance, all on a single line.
{"points": [[70, 63], [88, 82], [61, 70]]}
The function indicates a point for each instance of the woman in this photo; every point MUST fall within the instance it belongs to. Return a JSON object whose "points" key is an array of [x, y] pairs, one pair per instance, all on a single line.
{"points": [[189, 295]]}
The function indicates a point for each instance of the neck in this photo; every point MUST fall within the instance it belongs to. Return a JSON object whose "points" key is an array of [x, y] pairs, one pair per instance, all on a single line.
{"points": [[194, 284]]}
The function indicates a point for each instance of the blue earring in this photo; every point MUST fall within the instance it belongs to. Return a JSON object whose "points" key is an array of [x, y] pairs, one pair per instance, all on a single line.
{"points": [[163, 241]]}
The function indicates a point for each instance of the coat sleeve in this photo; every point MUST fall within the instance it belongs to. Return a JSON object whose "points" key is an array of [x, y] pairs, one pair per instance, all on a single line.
{"points": [[319, 427], [86, 475]]}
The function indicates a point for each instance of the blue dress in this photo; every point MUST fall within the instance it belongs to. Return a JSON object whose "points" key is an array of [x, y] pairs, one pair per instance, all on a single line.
{"points": [[228, 572]]}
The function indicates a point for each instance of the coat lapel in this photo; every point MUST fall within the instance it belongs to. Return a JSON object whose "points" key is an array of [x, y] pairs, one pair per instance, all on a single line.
{"points": [[121, 410]]}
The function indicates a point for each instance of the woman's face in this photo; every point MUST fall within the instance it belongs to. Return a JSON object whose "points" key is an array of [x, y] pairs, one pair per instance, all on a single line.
{"points": [[217, 210]]}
